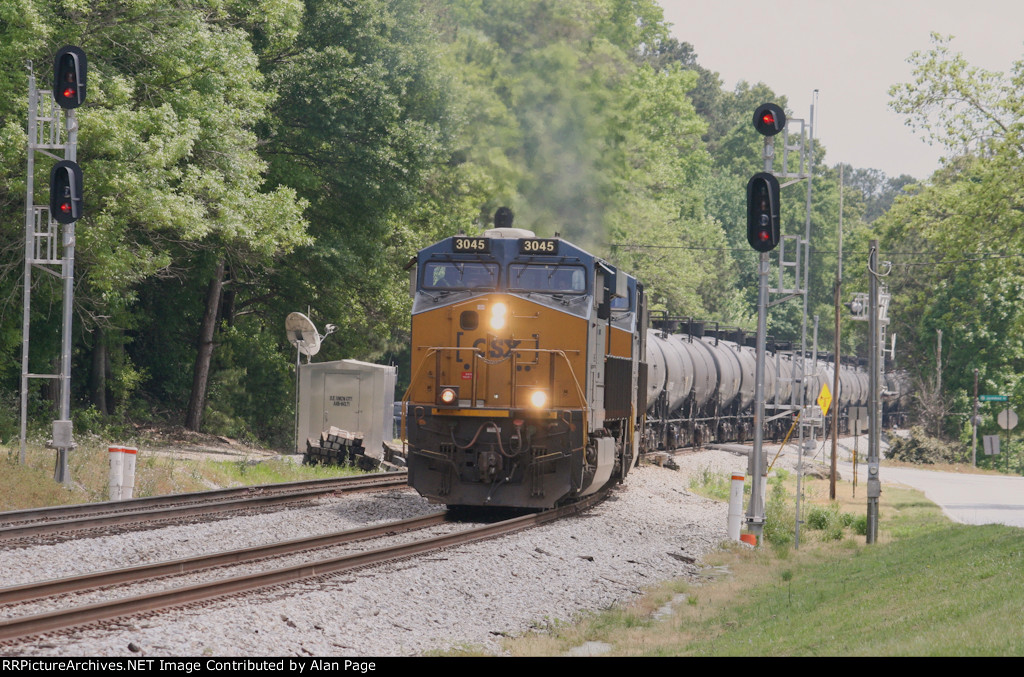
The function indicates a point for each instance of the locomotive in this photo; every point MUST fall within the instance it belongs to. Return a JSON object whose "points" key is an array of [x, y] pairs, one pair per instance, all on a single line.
{"points": [[527, 361], [535, 379]]}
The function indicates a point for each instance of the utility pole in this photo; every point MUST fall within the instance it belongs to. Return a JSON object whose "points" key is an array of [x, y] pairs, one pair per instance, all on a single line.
{"points": [[974, 423], [807, 419], [874, 400], [836, 344], [938, 382]]}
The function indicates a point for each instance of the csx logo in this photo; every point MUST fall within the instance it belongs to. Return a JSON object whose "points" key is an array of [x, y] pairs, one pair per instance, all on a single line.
{"points": [[498, 348]]}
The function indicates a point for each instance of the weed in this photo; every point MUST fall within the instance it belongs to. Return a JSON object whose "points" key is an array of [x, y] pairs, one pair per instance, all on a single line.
{"points": [[778, 516], [713, 484], [860, 525], [820, 518]]}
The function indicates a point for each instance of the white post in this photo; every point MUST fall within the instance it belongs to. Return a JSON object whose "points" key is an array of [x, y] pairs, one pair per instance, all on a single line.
{"points": [[128, 472], [116, 457], [735, 507]]}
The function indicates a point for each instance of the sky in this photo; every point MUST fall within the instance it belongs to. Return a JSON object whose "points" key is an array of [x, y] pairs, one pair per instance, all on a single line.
{"points": [[852, 53]]}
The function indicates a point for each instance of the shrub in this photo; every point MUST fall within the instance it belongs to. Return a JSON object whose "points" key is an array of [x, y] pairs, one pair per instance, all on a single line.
{"points": [[860, 525], [821, 518], [920, 448]]}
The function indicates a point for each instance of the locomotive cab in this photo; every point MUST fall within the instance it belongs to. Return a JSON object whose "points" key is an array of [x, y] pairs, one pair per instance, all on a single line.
{"points": [[525, 369]]}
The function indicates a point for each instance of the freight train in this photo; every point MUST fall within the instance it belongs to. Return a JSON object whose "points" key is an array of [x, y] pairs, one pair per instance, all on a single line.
{"points": [[537, 380]]}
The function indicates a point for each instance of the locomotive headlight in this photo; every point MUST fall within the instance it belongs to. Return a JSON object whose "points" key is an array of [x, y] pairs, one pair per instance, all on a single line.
{"points": [[449, 395], [499, 312], [539, 399]]}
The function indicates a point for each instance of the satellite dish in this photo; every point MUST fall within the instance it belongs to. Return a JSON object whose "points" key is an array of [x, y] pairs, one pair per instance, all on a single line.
{"points": [[302, 333]]}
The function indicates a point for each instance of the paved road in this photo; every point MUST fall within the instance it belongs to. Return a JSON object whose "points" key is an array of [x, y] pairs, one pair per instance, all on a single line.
{"points": [[965, 498]]}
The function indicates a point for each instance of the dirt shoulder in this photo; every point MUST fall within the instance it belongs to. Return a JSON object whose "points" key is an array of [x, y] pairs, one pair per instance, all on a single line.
{"points": [[180, 443]]}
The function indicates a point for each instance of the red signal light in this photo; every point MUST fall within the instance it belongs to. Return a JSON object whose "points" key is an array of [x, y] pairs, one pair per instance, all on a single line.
{"points": [[66, 192], [69, 76], [769, 119]]}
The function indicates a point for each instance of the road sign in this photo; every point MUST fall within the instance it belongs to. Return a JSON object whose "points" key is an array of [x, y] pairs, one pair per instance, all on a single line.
{"points": [[1007, 419], [993, 398], [991, 445], [824, 398]]}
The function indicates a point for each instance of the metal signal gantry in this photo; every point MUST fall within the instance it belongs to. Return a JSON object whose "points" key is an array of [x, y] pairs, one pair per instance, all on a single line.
{"points": [[53, 129], [764, 235]]}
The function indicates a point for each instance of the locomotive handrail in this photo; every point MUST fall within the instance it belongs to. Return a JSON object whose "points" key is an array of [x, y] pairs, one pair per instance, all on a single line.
{"points": [[479, 353]]}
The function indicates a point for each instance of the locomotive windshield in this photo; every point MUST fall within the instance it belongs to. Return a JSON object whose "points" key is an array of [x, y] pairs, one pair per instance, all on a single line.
{"points": [[551, 279], [460, 275]]}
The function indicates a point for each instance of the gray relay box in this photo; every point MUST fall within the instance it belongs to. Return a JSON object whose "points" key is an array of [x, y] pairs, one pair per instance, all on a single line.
{"points": [[348, 394]]}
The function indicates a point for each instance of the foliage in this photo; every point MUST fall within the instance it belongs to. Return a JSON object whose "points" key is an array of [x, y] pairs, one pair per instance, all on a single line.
{"points": [[714, 485], [922, 449], [829, 520], [307, 147], [168, 147], [359, 130], [779, 516], [949, 273], [875, 190]]}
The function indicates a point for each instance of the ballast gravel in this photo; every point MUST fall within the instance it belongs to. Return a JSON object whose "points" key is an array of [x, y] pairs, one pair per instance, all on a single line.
{"points": [[653, 528]]}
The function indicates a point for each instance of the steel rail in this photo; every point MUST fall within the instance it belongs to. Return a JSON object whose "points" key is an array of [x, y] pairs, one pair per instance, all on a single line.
{"points": [[171, 507], [12, 517], [43, 589], [68, 618]]}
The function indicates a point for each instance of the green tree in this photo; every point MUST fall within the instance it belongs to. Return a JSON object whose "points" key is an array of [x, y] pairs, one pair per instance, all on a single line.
{"points": [[578, 120], [175, 186], [359, 130], [957, 237]]}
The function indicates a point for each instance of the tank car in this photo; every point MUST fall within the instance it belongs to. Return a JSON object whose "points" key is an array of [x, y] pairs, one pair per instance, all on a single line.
{"points": [[701, 386], [896, 399], [526, 368]]}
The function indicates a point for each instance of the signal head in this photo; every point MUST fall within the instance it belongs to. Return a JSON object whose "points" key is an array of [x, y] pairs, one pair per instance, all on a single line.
{"points": [[769, 119], [69, 74], [66, 192], [763, 229]]}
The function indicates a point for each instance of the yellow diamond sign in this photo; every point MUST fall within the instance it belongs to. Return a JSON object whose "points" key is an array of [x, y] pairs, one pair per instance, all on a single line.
{"points": [[824, 398]]}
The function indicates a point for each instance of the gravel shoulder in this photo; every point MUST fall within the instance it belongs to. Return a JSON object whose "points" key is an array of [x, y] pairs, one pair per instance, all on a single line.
{"points": [[652, 529]]}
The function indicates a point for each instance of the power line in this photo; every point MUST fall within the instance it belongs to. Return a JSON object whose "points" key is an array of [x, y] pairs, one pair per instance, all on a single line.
{"points": [[980, 256], [635, 245]]}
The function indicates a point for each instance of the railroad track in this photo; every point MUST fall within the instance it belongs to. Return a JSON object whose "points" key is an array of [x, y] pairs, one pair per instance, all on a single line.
{"points": [[13, 629], [67, 520]]}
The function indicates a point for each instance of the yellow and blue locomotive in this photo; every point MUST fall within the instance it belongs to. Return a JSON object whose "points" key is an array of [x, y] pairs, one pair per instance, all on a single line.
{"points": [[527, 357]]}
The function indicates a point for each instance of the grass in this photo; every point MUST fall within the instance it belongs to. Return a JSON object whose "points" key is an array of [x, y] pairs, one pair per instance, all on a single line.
{"points": [[716, 485], [927, 588], [31, 485]]}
